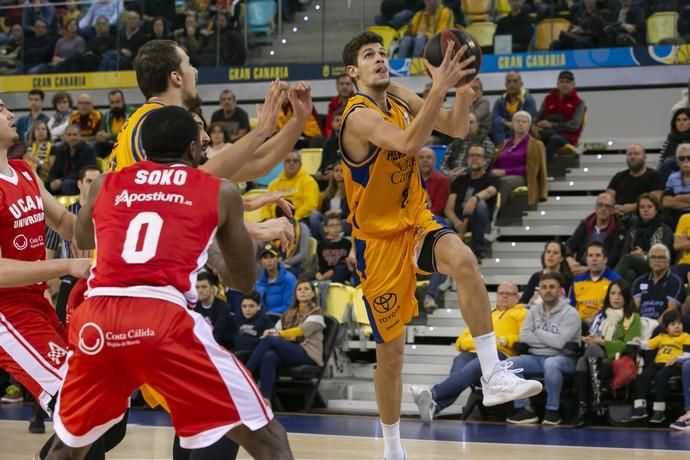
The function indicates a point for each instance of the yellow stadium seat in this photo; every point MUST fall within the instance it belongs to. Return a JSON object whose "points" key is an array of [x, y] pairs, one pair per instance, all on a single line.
{"points": [[662, 25], [255, 215], [476, 10], [483, 32], [67, 200], [102, 164], [338, 301], [389, 35], [311, 159], [253, 122], [501, 8], [359, 311], [548, 30]]}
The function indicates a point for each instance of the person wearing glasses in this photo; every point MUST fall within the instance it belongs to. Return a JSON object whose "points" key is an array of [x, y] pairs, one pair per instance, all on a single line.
{"points": [[296, 186], [676, 198], [658, 291], [507, 317], [601, 226]]}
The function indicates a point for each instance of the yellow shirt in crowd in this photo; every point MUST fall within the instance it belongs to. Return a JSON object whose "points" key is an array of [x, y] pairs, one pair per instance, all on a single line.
{"points": [[507, 325], [669, 347]]}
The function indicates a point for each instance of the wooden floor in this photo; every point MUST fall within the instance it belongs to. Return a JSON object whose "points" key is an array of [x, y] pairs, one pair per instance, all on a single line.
{"points": [[144, 442]]}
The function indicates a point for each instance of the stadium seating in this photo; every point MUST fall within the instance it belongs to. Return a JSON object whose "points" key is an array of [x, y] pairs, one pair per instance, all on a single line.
{"points": [[311, 159], [389, 34], [547, 31], [476, 10], [260, 20], [484, 33], [662, 25], [501, 8], [252, 216], [339, 301]]}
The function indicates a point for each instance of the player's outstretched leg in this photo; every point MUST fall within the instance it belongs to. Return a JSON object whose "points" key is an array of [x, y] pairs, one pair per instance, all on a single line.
{"points": [[500, 384], [388, 387], [267, 443]]}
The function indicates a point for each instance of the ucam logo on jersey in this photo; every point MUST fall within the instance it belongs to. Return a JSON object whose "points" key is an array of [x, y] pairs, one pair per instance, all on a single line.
{"points": [[27, 211], [128, 198]]}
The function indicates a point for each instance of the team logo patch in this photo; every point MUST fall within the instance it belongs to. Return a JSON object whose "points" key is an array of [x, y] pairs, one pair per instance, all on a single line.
{"points": [[91, 339], [20, 242], [56, 353], [385, 302]]}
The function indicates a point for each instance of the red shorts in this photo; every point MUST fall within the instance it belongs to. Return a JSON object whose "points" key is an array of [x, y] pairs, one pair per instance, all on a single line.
{"points": [[32, 345], [120, 343]]}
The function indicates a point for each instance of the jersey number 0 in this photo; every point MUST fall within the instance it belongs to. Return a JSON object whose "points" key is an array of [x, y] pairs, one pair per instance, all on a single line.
{"points": [[141, 242]]}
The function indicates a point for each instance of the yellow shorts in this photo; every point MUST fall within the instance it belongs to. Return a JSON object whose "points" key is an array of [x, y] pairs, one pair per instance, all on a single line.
{"points": [[387, 269]]}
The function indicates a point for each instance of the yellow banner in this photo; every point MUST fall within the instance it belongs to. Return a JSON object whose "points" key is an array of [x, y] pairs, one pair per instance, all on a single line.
{"points": [[68, 81]]}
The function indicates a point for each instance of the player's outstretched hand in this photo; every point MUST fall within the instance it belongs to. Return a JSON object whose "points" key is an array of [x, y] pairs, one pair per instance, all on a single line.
{"points": [[274, 229], [299, 96], [79, 268], [267, 115], [452, 69], [259, 201]]}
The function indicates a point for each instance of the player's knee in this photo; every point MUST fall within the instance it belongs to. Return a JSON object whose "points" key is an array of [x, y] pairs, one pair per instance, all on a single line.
{"points": [[390, 362], [462, 263], [273, 440]]}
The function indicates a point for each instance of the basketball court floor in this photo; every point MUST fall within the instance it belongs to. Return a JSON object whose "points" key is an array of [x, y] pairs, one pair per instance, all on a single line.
{"points": [[336, 437]]}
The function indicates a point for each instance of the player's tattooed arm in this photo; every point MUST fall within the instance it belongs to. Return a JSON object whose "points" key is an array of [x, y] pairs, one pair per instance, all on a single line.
{"points": [[57, 217], [234, 240], [83, 230]]}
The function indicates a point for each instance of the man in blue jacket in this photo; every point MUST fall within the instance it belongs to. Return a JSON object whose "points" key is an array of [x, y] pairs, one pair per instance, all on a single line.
{"points": [[276, 284], [515, 98]]}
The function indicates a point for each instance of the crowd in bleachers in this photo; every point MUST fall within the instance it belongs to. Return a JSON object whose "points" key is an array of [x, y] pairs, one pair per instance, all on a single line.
{"points": [[39, 37]]}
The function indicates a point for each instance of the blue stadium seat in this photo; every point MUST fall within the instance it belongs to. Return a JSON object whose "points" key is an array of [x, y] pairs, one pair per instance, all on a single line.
{"points": [[260, 18], [440, 151]]}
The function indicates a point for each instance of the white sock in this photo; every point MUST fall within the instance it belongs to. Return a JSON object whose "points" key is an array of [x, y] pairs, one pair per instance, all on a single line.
{"points": [[639, 403], [392, 448], [486, 352], [659, 406]]}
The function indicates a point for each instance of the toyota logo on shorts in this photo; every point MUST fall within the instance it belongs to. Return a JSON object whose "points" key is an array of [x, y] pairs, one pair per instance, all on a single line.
{"points": [[385, 302], [91, 339]]}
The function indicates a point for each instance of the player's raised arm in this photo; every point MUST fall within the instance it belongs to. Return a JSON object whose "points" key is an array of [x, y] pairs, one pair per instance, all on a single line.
{"points": [[57, 217], [234, 240], [83, 230]]}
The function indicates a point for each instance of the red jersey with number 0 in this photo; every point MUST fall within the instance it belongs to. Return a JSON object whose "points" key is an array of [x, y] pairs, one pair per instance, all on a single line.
{"points": [[22, 223], [154, 224]]}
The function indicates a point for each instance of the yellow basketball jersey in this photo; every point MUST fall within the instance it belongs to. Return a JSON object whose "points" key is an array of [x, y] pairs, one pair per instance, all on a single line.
{"points": [[128, 148], [385, 192]]}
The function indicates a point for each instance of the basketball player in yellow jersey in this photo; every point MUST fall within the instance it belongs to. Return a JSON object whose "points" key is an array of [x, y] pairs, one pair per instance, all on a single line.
{"points": [[395, 236]]}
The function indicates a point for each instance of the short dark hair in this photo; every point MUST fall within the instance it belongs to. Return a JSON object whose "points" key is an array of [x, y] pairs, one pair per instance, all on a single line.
{"points": [[226, 137], [475, 145], [557, 277], [331, 215], [596, 244], [62, 95], [37, 92], [117, 91], [205, 276], [153, 65], [352, 48], [670, 317], [253, 296], [85, 169], [167, 132]]}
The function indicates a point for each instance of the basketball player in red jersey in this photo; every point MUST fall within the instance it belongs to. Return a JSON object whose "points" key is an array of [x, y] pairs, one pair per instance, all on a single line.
{"points": [[32, 345], [154, 222]]}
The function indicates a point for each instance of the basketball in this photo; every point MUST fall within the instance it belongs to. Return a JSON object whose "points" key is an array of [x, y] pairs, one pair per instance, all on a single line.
{"points": [[436, 47]]}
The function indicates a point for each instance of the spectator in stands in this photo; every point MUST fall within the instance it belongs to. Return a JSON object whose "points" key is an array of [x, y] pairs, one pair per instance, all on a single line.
{"points": [[275, 283], [669, 345], [151, 9], [588, 291], [681, 244], [71, 44], [396, 13], [561, 116], [424, 24], [680, 134], [88, 118], [332, 251], [39, 149], [231, 117], [518, 25], [219, 139], [159, 29], [614, 326], [189, 37], [224, 47], [312, 135], [659, 291], [522, 161], [455, 160], [249, 326], [38, 47], [587, 30], [11, 51], [297, 186], [70, 158], [62, 106], [296, 339], [515, 99], [552, 261], [132, 37], [332, 199], [346, 89], [472, 200], [507, 317], [602, 226], [547, 330], [628, 25], [111, 122], [109, 9], [216, 312], [626, 186], [43, 10], [72, 12], [23, 124], [647, 230], [676, 197], [481, 106], [331, 150], [437, 185]]}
